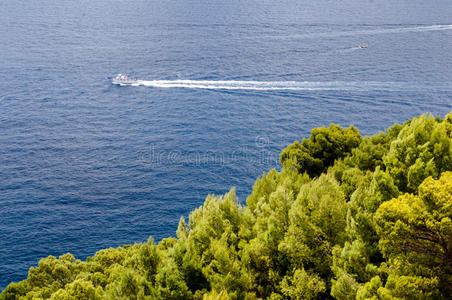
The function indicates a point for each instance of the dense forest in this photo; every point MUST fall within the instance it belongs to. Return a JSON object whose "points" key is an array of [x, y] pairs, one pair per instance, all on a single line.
{"points": [[347, 217]]}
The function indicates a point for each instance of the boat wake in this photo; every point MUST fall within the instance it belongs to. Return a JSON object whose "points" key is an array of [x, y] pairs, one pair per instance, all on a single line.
{"points": [[370, 31], [278, 85]]}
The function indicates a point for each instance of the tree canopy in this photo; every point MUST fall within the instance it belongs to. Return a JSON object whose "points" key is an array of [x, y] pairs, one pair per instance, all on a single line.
{"points": [[347, 217]]}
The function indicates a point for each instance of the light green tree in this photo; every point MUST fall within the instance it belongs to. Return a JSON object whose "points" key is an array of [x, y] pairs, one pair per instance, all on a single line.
{"points": [[416, 236]]}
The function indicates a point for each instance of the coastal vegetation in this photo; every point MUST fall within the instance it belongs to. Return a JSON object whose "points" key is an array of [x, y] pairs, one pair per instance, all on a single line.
{"points": [[347, 217]]}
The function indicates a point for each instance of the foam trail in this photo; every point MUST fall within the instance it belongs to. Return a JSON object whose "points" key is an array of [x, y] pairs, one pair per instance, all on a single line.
{"points": [[371, 31], [275, 85]]}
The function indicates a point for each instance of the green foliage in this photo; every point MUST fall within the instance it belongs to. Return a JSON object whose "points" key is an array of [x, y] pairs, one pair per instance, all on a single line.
{"points": [[302, 285], [317, 223], [78, 290], [336, 221], [423, 148], [15, 290], [416, 236], [370, 289], [370, 152], [223, 295], [323, 147]]}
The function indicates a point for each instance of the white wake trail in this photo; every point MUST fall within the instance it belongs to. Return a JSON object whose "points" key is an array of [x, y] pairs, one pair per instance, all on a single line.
{"points": [[273, 85], [399, 30], [370, 31]]}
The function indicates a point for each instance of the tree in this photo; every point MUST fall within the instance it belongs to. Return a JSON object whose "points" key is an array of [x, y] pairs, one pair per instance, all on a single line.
{"points": [[324, 146], [423, 148], [79, 290], [302, 285], [317, 223], [416, 236]]}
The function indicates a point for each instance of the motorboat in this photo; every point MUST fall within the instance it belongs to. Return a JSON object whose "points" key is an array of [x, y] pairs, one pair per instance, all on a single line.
{"points": [[363, 46], [124, 79]]}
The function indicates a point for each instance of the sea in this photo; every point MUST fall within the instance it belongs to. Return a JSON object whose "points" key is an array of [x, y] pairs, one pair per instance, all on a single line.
{"points": [[224, 86]]}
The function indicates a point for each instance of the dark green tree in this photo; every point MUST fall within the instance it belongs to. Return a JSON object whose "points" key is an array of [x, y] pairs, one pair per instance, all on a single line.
{"points": [[324, 146]]}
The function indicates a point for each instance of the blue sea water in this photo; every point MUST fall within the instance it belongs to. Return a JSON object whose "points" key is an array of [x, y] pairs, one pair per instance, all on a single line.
{"points": [[225, 85]]}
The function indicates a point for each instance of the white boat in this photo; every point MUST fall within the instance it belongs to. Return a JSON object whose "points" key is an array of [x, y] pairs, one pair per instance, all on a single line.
{"points": [[124, 79]]}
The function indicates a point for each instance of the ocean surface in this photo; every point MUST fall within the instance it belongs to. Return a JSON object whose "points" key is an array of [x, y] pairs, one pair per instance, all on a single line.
{"points": [[223, 87]]}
